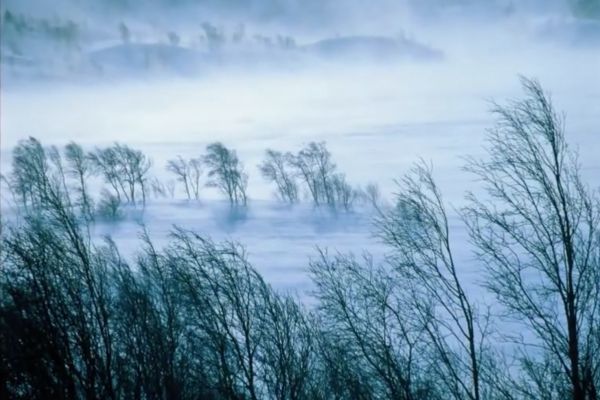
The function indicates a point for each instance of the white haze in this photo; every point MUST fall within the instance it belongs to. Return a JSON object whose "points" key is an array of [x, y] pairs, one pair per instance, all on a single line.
{"points": [[377, 119]]}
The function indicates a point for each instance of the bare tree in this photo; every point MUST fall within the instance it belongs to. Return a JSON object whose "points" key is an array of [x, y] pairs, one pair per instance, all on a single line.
{"points": [[134, 169], [417, 231], [224, 298], [106, 164], [195, 165], [541, 241], [340, 375], [125, 169], [109, 206], [79, 167], [275, 168], [367, 312], [344, 194], [226, 173], [155, 359], [370, 195], [180, 168], [314, 165], [57, 285], [288, 349], [158, 188], [170, 188], [29, 178]]}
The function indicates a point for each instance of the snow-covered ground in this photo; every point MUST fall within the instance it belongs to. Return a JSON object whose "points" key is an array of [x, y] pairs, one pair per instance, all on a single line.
{"points": [[376, 120]]}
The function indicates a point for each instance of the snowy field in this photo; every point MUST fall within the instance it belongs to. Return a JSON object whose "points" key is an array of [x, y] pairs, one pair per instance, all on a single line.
{"points": [[376, 120]]}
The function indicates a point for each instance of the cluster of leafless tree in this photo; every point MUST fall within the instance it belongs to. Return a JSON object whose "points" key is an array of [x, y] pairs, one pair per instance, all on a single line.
{"points": [[188, 172], [126, 175], [225, 172], [124, 171], [36, 170], [194, 320], [312, 168]]}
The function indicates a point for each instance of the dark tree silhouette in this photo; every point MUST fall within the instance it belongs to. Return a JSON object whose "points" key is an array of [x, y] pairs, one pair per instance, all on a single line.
{"points": [[367, 313], [276, 168], [417, 230], [125, 169], [189, 173], [539, 235], [226, 173], [315, 167], [318, 172], [79, 166]]}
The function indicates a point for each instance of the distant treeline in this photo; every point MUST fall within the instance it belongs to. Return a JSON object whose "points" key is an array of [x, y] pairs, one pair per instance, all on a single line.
{"points": [[19, 29], [194, 319]]}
